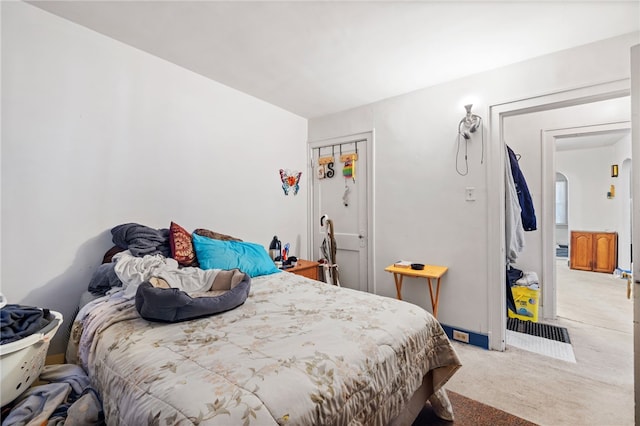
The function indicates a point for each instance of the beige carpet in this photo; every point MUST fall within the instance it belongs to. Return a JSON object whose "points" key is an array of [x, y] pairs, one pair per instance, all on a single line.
{"points": [[596, 390]]}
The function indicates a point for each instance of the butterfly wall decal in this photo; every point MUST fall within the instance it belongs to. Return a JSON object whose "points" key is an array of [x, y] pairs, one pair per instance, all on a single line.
{"points": [[290, 180]]}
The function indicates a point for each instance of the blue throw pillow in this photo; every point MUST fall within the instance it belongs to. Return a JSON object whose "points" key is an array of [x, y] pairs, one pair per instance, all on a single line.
{"points": [[250, 258]]}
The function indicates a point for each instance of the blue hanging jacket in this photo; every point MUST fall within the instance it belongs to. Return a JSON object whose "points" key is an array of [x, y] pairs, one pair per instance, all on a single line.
{"points": [[528, 213]]}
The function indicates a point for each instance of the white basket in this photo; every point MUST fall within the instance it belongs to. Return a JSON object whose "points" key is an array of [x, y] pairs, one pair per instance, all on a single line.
{"points": [[21, 361]]}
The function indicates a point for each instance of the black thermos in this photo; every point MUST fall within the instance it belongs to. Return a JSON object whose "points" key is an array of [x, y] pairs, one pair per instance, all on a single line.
{"points": [[275, 248]]}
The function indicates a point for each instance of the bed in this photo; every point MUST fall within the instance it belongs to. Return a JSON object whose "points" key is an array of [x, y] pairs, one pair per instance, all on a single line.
{"points": [[297, 351], [293, 351]]}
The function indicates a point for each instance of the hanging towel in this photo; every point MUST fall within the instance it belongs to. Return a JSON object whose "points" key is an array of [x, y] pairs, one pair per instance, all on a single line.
{"points": [[528, 213]]}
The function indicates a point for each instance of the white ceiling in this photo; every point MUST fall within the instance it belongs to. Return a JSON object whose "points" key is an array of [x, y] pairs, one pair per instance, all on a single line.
{"points": [[590, 140], [316, 58]]}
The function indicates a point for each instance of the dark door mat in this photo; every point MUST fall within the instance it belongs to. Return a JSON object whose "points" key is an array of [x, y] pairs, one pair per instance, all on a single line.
{"points": [[559, 334]]}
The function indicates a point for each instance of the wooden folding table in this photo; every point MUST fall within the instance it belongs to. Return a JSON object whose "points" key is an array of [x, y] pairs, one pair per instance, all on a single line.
{"points": [[429, 272]]}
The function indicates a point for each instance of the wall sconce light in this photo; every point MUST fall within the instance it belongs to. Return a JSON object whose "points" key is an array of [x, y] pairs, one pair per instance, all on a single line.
{"points": [[614, 170], [470, 123]]}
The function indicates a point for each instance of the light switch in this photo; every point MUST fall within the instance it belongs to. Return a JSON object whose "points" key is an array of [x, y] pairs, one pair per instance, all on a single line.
{"points": [[470, 192]]}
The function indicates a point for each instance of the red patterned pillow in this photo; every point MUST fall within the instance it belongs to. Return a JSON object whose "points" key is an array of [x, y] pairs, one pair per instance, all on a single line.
{"points": [[181, 246]]}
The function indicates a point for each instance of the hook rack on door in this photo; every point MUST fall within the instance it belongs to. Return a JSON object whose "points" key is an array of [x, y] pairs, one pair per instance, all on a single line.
{"points": [[340, 145]]}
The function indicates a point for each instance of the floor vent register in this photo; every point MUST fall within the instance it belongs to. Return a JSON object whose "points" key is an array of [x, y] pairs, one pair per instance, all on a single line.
{"points": [[552, 332]]}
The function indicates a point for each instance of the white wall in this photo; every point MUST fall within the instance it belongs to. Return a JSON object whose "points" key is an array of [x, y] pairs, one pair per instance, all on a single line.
{"points": [[590, 178], [96, 133], [624, 196], [562, 231], [421, 212]]}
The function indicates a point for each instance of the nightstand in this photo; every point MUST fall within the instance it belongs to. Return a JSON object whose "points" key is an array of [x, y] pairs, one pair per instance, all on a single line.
{"points": [[305, 268]]}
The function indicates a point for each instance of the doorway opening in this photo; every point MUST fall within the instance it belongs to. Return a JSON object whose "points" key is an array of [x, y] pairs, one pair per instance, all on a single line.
{"points": [[544, 170], [583, 159], [573, 141], [591, 302]]}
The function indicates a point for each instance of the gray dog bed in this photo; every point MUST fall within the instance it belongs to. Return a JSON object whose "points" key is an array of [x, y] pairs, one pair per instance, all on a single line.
{"points": [[156, 301]]}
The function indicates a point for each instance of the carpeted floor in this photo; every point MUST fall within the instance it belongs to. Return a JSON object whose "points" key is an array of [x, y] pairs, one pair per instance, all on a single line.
{"points": [[469, 412]]}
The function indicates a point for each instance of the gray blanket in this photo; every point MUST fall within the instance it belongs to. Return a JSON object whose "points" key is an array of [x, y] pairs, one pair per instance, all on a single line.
{"points": [[141, 240], [18, 322], [103, 279], [66, 398]]}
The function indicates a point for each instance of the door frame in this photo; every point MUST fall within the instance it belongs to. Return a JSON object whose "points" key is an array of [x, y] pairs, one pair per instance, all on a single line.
{"points": [[496, 179], [548, 138], [635, 170], [369, 140]]}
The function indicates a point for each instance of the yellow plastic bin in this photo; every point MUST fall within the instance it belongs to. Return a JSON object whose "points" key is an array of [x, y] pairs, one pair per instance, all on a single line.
{"points": [[526, 303]]}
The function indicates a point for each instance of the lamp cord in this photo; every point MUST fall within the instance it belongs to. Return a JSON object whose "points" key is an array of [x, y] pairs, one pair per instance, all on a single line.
{"points": [[482, 138], [466, 162], [466, 138]]}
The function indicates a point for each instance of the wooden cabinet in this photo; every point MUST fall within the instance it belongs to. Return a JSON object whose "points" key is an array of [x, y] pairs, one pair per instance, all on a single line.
{"points": [[594, 251], [306, 268], [581, 250]]}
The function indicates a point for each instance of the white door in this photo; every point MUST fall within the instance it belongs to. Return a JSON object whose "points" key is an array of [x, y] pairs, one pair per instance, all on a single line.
{"points": [[635, 220], [344, 199]]}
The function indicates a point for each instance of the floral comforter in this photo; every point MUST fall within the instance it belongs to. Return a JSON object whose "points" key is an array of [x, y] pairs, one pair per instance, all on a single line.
{"points": [[297, 352]]}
